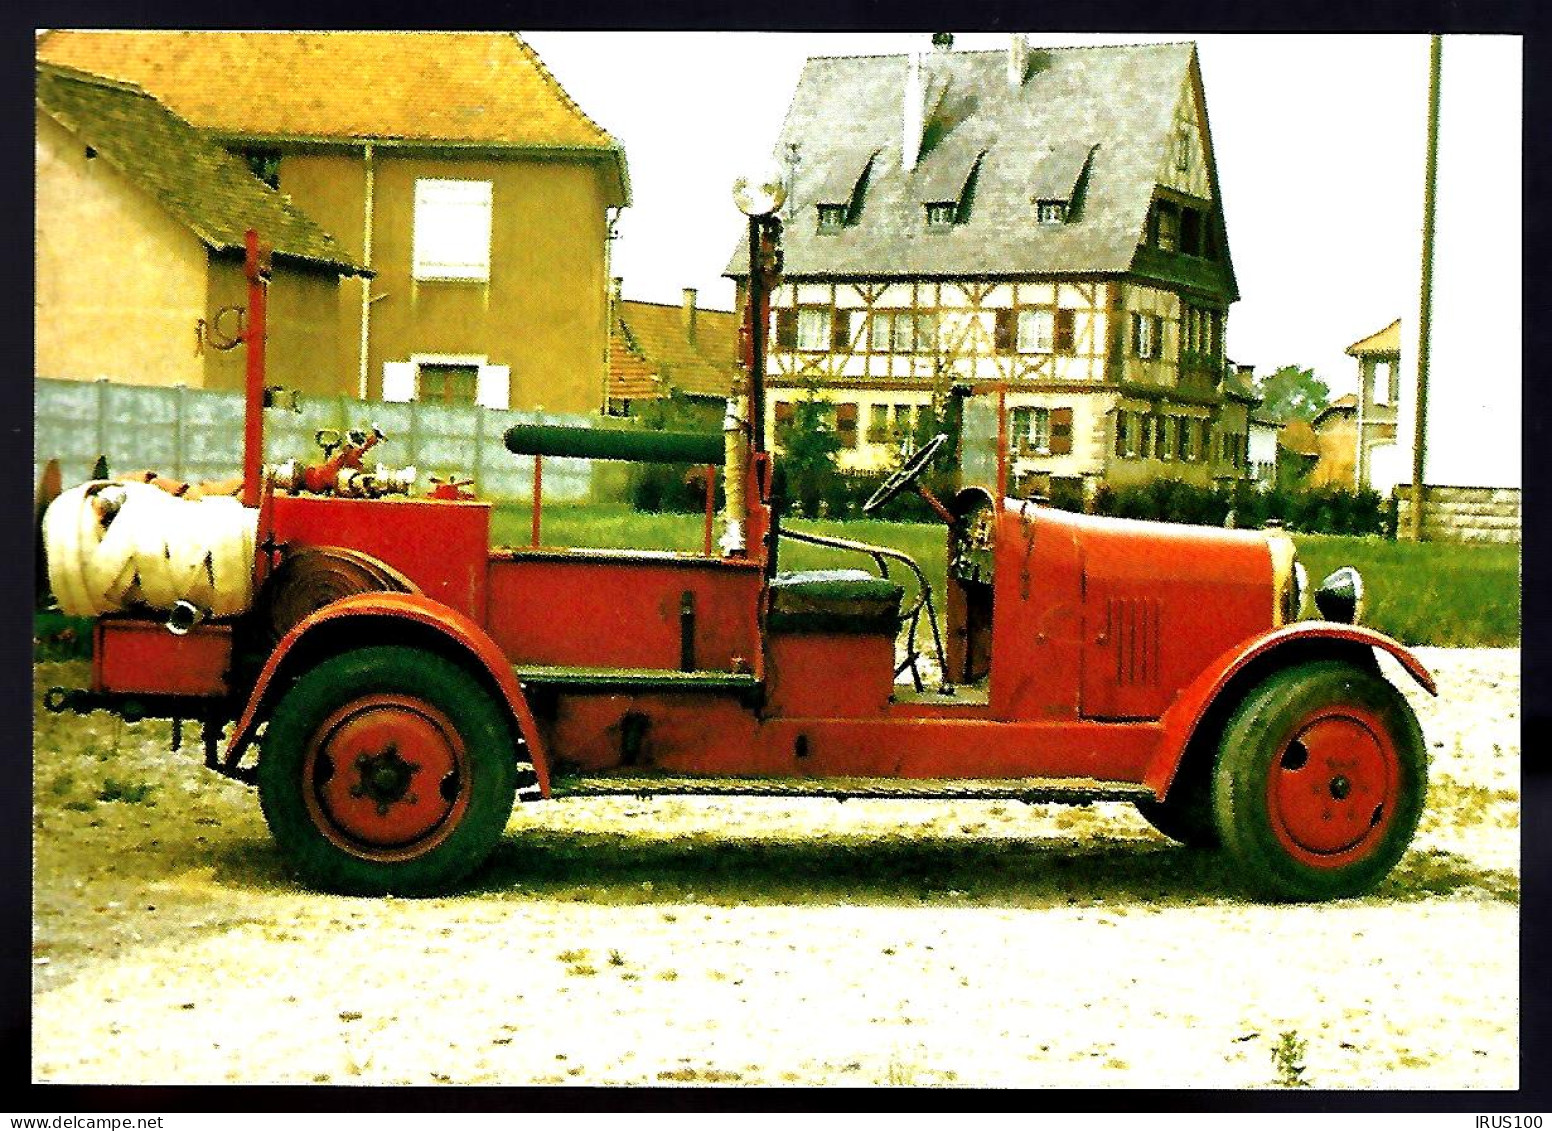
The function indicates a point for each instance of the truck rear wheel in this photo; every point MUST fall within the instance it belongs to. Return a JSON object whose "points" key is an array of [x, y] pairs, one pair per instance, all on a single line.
{"points": [[386, 770], [1319, 782]]}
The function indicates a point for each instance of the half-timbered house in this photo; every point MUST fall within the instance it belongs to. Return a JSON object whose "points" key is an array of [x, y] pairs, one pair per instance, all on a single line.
{"points": [[1042, 227]]}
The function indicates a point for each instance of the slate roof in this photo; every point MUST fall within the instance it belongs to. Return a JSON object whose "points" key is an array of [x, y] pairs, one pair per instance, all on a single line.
{"points": [[200, 184], [477, 89], [1095, 118], [657, 349], [1383, 341]]}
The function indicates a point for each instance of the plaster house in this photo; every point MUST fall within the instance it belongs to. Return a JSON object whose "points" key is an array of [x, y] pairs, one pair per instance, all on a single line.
{"points": [[139, 241], [1039, 225], [1336, 439], [659, 351], [1261, 450], [451, 164], [1379, 392]]}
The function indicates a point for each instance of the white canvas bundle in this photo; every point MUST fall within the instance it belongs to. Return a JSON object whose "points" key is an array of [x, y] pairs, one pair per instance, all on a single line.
{"points": [[119, 544]]}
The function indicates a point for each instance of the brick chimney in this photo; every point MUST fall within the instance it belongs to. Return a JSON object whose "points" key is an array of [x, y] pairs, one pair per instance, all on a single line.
{"points": [[913, 113], [687, 313]]}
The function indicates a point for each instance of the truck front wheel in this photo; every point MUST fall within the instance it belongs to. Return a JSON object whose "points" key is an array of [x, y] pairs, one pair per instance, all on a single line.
{"points": [[386, 770], [1319, 782]]}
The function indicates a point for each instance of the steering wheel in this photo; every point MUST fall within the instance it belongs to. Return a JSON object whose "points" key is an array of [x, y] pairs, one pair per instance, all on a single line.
{"points": [[907, 475]]}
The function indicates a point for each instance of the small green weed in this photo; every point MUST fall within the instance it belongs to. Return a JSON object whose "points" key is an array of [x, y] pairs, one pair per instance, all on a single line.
{"points": [[581, 970], [616, 958], [1288, 1060], [572, 955], [131, 793], [900, 1074]]}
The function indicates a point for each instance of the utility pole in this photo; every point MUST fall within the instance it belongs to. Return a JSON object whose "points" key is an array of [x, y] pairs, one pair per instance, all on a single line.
{"points": [[1425, 312]]}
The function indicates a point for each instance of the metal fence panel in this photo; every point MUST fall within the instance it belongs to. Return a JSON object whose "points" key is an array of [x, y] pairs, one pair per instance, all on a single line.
{"points": [[198, 434]]}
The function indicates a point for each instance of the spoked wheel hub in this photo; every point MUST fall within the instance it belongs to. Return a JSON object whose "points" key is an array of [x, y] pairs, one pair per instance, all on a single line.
{"points": [[1334, 789], [388, 777]]}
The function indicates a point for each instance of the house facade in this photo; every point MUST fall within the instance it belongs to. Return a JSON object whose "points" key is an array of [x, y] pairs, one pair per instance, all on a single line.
{"points": [[1376, 455], [139, 241], [1040, 227], [452, 165]]}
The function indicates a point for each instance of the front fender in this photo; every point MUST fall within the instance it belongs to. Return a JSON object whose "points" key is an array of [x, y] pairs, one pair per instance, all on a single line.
{"points": [[1289, 644], [407, 609]]}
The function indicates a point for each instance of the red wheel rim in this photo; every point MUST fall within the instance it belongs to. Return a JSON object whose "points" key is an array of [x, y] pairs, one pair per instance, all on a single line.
{"points": [[387, 777], [1332, 790]]}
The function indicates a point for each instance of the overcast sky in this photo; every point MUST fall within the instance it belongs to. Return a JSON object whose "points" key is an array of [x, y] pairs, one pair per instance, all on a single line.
{"points": [[1319, 142]]}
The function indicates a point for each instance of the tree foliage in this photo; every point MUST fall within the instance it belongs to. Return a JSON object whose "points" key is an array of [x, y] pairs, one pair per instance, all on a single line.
{"points": [[1292, 393], [809, 443]]}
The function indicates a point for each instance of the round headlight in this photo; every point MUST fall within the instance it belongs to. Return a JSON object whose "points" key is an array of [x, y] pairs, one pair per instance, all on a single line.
{"points": [[760, 192], [1340, 596]]}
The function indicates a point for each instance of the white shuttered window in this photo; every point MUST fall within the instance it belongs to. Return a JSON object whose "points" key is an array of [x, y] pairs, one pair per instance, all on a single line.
{"points": [[452, 229]]}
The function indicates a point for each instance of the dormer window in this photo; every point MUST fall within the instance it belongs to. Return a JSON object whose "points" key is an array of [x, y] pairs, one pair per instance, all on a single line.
{"points": [[945, 183], [842, 185], [1058, 182]]}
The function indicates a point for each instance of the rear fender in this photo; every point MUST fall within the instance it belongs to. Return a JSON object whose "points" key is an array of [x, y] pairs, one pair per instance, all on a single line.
{"points": [[1224, 681], [364, 617]]}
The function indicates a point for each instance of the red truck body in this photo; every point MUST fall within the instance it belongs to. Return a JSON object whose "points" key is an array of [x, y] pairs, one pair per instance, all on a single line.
{"points": [[1085, 658]]}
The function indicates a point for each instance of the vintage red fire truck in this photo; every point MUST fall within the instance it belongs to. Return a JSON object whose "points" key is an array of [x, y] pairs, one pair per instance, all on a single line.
{"points": [[392, 683]]}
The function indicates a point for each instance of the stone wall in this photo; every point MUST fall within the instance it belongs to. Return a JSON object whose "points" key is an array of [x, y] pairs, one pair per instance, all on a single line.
{"points": [[1462, 514]]}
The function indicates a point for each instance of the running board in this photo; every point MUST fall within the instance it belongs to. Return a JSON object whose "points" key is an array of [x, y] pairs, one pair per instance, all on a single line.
{"points": [[1031, 791], [633, 679]]}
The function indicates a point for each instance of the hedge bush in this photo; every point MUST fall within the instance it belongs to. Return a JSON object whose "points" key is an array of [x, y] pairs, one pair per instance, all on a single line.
{"points": [[1315, 510], [1319, 510]]}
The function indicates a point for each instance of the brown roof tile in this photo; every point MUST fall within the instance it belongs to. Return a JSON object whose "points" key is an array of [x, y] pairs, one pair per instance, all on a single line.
{"points": [[630, 377], [702, 368], [445, 86], [202, 185]]}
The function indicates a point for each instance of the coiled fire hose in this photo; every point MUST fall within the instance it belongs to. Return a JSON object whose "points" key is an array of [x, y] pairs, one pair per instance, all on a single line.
{"points": [[112, 545]]}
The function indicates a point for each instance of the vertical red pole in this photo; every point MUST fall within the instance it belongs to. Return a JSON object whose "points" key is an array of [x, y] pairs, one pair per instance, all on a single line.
{"points": [[538, 486], [711, 502], [253, 420], [1002, 440]]}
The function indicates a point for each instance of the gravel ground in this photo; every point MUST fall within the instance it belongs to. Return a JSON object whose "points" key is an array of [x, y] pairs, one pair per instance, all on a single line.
{"points": [[768, 942]]}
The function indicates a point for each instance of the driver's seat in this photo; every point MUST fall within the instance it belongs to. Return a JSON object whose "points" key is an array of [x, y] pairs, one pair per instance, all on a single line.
{"points": [[834, 600]]}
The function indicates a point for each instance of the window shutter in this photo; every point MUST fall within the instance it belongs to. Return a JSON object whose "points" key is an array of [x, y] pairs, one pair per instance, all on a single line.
{"points": [[1120, 433], [846, 424], [1061, 431], [1004, 331], [452, 229], [840, 332], [1137, 335], [787, 329], [399, 381], [1064, 331], [493, 386]]}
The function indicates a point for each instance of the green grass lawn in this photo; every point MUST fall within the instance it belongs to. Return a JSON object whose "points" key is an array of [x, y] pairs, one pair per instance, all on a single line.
{"points": [[1452, 596]]}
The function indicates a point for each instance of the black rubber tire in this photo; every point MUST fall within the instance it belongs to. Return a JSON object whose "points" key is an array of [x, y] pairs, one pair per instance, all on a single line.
{"points": [[1186, 815], [332, 685], [1260, 740]]}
